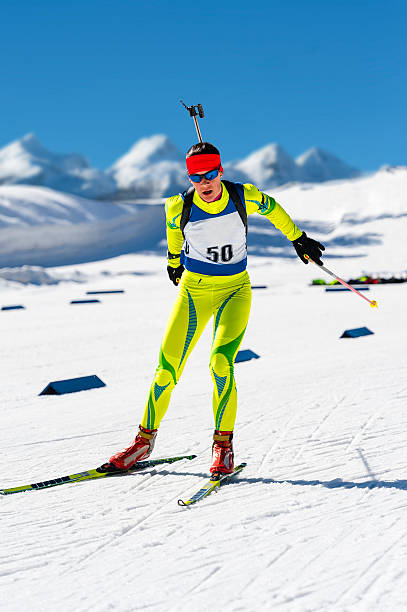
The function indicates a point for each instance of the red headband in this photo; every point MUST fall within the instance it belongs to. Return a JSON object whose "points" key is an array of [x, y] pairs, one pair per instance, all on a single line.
{"points": [[203, 163]]}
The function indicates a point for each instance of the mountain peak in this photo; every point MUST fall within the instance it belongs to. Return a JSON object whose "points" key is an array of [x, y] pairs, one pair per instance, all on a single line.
{"points": [[319, 165], [315, 153], [150, 150], [27, 161], [27, 145], [29, 139], [269, 166]]}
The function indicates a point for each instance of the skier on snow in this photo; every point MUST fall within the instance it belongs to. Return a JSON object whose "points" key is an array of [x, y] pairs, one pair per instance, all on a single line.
{"points": [[207, 256]]}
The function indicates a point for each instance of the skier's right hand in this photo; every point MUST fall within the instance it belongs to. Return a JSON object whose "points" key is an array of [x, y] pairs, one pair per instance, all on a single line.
{"points": [[175, 274]]}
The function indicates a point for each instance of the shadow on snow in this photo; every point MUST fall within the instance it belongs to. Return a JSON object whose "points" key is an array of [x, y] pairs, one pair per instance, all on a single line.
{"points": [[336, 483]]}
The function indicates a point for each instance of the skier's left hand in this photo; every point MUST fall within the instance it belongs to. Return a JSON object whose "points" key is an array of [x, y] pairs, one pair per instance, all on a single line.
{"points": [[307, 246]]}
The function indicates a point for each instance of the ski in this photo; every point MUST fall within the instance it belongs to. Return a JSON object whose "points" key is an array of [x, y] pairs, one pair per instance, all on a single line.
{"points": [[104, 471], [213, 483]]}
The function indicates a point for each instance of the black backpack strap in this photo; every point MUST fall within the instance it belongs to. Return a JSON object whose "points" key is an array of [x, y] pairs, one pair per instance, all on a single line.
{"points": [[237, 200], [187, 196]]}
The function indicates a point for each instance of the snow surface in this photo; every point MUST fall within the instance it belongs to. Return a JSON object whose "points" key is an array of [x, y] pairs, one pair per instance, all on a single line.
{"points": [[317, 520]]}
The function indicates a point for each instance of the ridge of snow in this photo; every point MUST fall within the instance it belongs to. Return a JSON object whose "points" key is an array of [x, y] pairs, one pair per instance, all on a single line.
{"points": [[28, 206], [41, 226]]}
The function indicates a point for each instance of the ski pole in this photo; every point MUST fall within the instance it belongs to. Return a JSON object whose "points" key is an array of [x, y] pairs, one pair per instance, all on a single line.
{"points": [[373, 303], [193, 112]]}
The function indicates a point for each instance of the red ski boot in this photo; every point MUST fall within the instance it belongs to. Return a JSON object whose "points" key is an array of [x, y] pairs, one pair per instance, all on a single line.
{"points": [[222, 452], [140, 449]]}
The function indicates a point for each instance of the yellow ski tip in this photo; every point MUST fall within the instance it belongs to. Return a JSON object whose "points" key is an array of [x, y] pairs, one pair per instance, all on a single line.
{"points": [[373, 304]]}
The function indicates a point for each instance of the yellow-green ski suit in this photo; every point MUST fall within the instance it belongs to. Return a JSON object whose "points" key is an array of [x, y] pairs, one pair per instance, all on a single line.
{"points": [[222, 293]]}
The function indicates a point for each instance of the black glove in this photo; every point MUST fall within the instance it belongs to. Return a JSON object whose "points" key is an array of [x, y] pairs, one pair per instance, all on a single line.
{"points": [[175, 274], [307, 246]]}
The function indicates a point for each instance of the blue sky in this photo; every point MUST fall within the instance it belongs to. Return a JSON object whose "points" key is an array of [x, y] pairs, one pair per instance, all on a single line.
{"points": [[93, 76]]}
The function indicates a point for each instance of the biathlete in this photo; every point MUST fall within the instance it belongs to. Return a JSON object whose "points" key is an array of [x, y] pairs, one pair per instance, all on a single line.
{"points": [[207, 256]]}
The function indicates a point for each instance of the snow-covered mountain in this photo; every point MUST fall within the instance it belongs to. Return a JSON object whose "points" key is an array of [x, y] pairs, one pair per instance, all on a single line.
{"points": [[153, 167], [317, 166], [27, 161], [271, 166], [268, 166]]}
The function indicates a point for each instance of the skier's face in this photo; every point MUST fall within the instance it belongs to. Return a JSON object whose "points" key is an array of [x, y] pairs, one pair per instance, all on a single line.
{"points": [[207, 189]]}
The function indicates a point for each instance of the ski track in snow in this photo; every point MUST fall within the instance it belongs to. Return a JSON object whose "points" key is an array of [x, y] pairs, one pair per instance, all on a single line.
{"points": [[317, 519]]}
